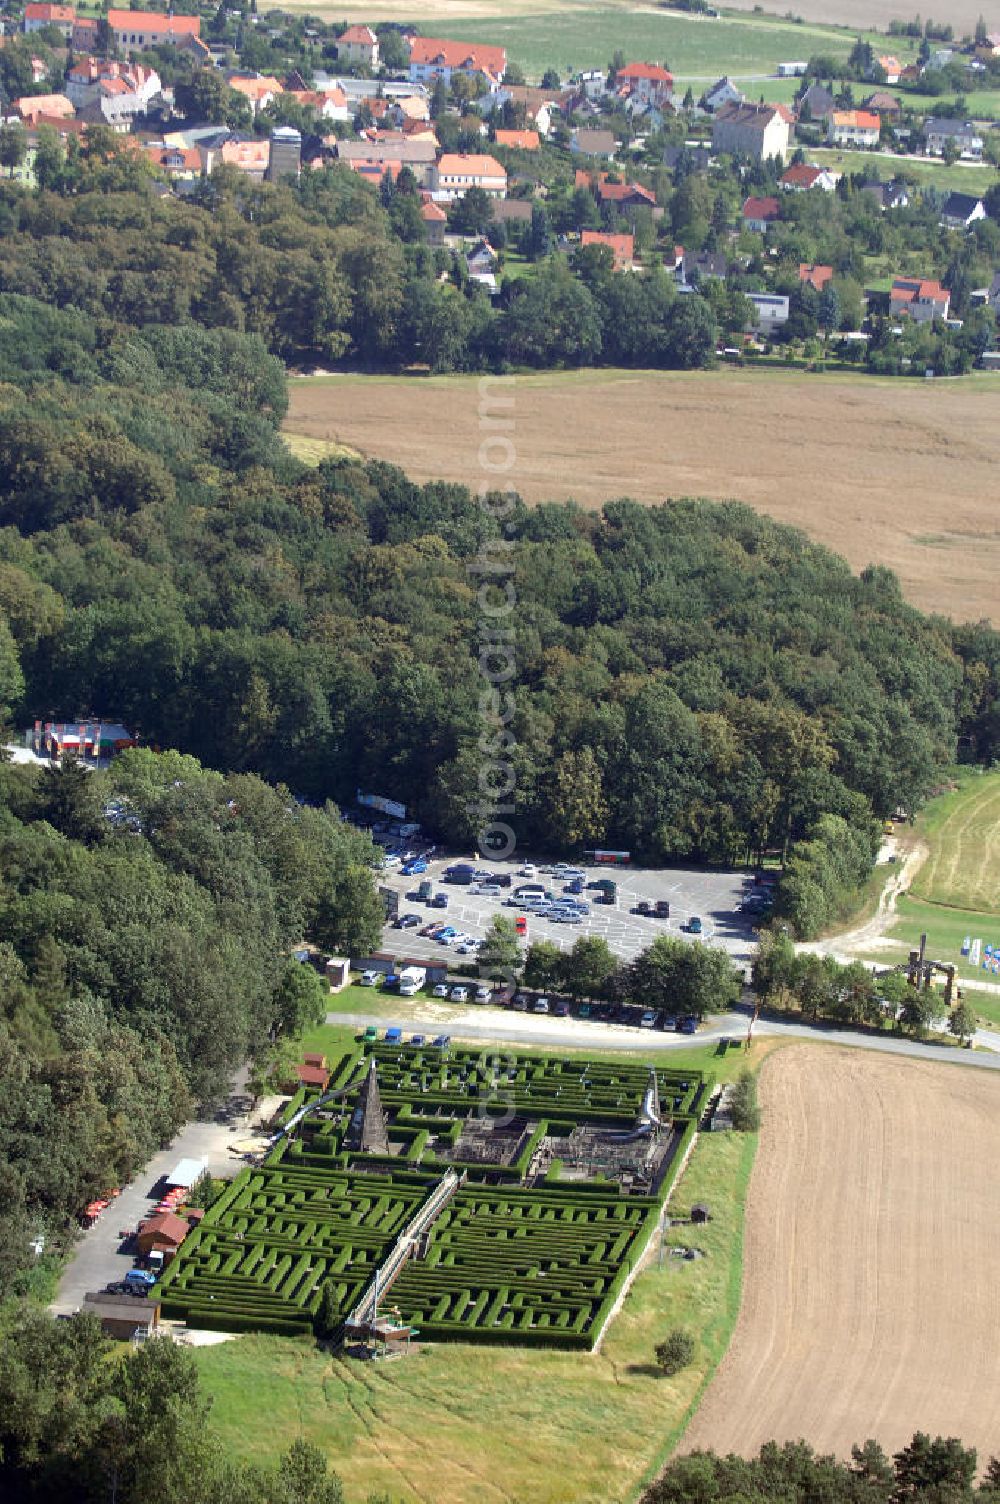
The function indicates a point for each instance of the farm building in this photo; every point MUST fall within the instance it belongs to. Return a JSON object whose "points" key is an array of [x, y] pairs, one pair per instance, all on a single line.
{"points": [[122, 1316]]}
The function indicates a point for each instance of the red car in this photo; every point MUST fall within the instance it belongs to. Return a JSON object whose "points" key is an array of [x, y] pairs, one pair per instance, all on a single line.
{"points": [[521, 924]]}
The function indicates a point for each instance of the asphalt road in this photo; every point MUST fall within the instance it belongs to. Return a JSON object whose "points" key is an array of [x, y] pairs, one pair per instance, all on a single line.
{"points": [[713, 896], [97, 1258], [469, 1023]]}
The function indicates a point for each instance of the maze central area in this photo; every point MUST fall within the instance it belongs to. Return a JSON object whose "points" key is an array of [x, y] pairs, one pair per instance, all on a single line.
{"points": [[476, 1196]]}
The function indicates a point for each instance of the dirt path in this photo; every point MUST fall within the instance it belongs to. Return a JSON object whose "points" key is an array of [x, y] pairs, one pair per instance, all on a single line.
{"points": [[870, 1301], [850, 942]]}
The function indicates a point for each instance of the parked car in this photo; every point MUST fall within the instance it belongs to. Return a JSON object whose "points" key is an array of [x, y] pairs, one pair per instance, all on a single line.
{"points": [[490, 890], [540, 1005], [520, 1003], [669, 1023], [662, 909], [528, 870], [441, 1042], [694, 925], [642, 907], [483, 995], [689, 1025], [575, 886], [440, 990], [408, 921], [446, 934], [368, 979], [424, 889], [460, 994], [411, 869], [648, 1019], [371, 1034], [583, 1011], [561, 1008], [417, 1039], [521, 925], [439, 901], [394, 1035]]}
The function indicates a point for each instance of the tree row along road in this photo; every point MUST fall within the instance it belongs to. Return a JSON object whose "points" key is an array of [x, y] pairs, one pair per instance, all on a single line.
{"points": [[488, 1025]]}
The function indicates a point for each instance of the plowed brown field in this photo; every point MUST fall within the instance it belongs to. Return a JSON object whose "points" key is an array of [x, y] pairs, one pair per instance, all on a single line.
{"points": [[890, 472], [871, 1301]]}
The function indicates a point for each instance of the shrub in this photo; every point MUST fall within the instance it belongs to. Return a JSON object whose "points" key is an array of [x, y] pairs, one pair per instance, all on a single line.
{"points": [[675, 1351], [745, 1111]]}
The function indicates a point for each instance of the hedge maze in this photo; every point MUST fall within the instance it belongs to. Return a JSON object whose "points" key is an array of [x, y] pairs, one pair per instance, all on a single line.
{"points": [[517, 1255]]}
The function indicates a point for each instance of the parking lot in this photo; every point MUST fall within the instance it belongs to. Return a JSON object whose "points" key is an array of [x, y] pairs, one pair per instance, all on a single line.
{"points": [[714, 897]]}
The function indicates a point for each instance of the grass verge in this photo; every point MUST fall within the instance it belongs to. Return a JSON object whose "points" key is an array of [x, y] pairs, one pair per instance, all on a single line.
{"points": [[454, 1422], [962, 830]]}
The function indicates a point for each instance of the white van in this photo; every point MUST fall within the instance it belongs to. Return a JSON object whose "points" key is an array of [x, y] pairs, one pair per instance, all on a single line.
{"points": [[411, 979]]}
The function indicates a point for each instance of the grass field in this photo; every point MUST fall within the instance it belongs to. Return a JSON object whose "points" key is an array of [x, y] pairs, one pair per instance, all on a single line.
{"points": [[946, 930], [962, 829], [899, 472], [870, 1299], [965, 177], [448, 1425]]}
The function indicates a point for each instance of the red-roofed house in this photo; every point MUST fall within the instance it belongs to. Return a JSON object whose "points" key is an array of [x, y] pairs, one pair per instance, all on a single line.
{"points": [[919, 298], [853, 128], [37, 17], [758, 213], [622, 247], [260, 91], [646, 81], [625, 196], [457, 172], [891, 67], [180, 162], [84, 35], [312, 1075], [138, 30], [815, 276], [56, 106], [432, 58], [358, 44], [162, 1233], [804, 175], [519, 140], [435, 220]]}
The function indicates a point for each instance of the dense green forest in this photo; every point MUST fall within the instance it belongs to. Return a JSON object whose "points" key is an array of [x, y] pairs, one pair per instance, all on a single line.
{"points": [[147, 913]]}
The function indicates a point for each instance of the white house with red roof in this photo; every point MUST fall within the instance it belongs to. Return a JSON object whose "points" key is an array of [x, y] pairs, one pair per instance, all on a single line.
{"points": [[358, 44], [646, 81], [138, 30], [758, 213], [804, 176], [919, 298], [457, 172], [432, 58], [37, 17], [854, 128], [86, 83]]}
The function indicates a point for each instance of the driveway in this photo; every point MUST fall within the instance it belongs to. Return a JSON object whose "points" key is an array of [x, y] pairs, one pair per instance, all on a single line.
{"points": [[97, 1259]]}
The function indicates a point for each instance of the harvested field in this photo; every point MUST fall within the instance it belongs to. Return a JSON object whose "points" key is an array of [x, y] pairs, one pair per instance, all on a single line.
{"points": [[870, 1302], [893, 472]]}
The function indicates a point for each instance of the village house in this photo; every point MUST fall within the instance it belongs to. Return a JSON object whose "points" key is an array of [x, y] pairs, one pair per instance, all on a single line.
{"points": [[817, 103], [180, 163], [457, 172], [894, 195], [891, 67], [805, 176], [33, 107], [646, 81], [481, 264], [593, 143], [770, 311], [622, 247], [853, 128], [139, 30], [961, 210], [432, 58], [419, 156], [962, 134], [722, 92], [815, 276], [435, 221], [358, 45], [258, 89], [539, 105], [919, 298], [38, 17], [759, 213], [758, 131], [85, 80], [248, 157], [519, 140], [884, 104]]}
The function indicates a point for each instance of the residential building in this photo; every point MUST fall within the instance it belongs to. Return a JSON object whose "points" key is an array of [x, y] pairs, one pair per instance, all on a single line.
{"points": [[697, 157], [758, 213], [622, 247], [138, 30], [539, 105], [722, 92], [285, 155], [419, 156], [457, 172], [249, 157], [919, 298], [758, 131], [853, 128], [939, 59], [329, 105], [884, 104], [37, 17], [435, 219], [805, 176], [593, 143], [817, 103], [960, 133], [894, 195], [594, 83], [358, 45], [814, 275], [84, 35], [85, 81], [180, 163], [625, 197], [55, 106], [511, 211], [519, 140], [647, 81], [770, 311], [961, 210], [432, 58], [891, 67], [260, 89], [481, 265]]}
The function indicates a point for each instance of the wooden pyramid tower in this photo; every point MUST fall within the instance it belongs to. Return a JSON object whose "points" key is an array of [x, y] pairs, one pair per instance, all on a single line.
{"points": [[368, 1131]]}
